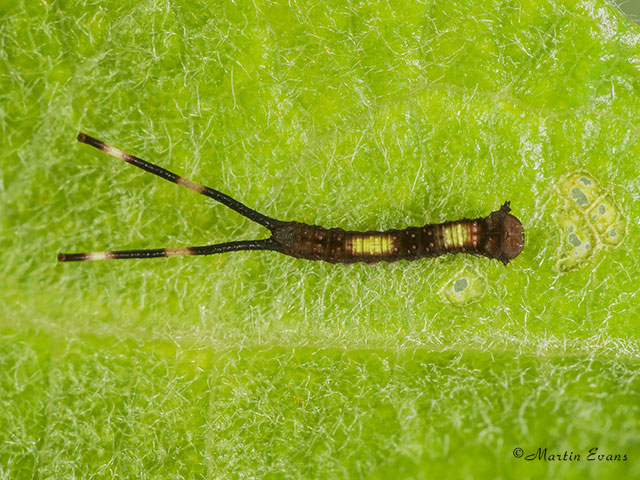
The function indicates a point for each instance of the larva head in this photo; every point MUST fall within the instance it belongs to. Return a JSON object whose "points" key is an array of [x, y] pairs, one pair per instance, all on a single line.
{"points": [[506, 235]]}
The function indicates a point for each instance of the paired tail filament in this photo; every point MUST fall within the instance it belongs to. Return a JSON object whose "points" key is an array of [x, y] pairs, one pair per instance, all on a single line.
{"points": [[257, 217]]}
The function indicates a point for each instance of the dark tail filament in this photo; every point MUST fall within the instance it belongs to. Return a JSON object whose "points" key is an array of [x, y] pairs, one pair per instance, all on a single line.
{"points": [[266, 244], [226, 200]]}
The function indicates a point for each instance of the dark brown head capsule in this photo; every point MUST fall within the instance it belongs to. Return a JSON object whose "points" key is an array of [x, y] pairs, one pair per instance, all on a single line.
{"points": [[505, 235]]}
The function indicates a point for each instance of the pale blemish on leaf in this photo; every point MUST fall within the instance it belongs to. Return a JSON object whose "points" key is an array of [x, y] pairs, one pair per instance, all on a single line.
{"points": [[466, 286], [589, 220]]}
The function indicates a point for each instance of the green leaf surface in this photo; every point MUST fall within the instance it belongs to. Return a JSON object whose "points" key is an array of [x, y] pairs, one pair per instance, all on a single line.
{"points": [[368, 115]]}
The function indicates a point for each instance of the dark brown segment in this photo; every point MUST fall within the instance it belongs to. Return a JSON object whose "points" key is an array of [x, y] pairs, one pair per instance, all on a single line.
{"points": [[505, 235], [71, 257]]}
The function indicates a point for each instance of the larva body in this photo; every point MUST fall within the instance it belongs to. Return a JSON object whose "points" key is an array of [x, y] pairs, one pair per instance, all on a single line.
{"points": [[499, 236]]}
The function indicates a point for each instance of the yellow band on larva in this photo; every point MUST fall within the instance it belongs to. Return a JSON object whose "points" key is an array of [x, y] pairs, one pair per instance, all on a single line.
{"points": [[455, 235], [371, 244]]}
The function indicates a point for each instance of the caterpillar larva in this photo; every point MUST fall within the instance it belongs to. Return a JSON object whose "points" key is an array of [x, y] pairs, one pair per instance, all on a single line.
{"points": [[499, 235]]}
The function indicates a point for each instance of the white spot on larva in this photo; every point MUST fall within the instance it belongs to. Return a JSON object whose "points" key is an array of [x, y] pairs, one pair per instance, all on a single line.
{"points": [[97, 256], [178, 252], [116, 153], [185, 182]]}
